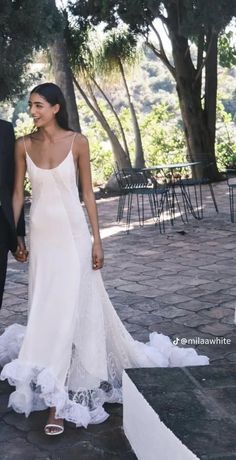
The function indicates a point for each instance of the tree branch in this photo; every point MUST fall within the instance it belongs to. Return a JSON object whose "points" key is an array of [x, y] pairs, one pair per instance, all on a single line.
{"points": [[161, 54], [92, 95], [203, 63], [95, 108], [120, 155], [156, 13], [200, 49], [85, 97], [159, 40], [114, 113], [162, 58]]}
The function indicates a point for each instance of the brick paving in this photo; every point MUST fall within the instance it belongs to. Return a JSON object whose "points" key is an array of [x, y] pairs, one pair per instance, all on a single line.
{"points": [[181, 283]]}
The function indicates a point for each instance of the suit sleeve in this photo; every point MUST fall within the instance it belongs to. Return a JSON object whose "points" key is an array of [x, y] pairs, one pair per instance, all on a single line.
{"points": [[11, 161], [21, 224]]}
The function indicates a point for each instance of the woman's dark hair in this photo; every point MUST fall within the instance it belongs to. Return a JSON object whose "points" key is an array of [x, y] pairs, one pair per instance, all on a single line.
{"points": [[53, 95]]}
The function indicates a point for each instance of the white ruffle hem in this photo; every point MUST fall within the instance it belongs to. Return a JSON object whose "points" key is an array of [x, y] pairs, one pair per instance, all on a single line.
{"points": [[37, 388]]}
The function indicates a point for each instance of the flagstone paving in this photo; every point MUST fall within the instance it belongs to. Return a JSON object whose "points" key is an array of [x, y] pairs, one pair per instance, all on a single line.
{"points": [[181, 283]]}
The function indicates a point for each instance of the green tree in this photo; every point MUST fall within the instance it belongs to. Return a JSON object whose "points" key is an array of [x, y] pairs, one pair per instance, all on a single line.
{"points": [[24, 28], [163, 139], [225, 139], [118, 50], [84, 76], [201, 21], [227, 50]]}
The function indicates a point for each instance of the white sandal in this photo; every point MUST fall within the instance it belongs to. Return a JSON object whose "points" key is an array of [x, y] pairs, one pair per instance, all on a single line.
{"points": [[53, 433]]}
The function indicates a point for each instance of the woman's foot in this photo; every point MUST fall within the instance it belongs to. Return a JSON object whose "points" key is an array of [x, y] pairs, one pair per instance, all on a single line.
{"points": [[54, 425]]}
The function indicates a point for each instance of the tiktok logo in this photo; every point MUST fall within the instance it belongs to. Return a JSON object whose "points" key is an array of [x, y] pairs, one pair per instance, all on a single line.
{"points": [[176, 341]]}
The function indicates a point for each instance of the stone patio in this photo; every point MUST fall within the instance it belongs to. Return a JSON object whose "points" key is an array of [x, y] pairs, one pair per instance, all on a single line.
{"points": [[181, 413], [181, 283]]}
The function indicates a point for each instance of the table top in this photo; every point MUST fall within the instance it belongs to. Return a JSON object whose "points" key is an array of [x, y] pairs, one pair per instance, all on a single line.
{"points": [[172, 166]]}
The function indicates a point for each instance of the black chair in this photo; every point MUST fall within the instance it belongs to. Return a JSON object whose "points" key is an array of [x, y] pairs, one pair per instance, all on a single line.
{"points": [[179, 199], [123, 192], [231, 181], [192, 191], [136, 183], [124, 189]]}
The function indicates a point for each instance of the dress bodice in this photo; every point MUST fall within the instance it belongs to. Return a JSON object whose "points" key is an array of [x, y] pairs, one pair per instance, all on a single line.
{"points": [[62, 176]]}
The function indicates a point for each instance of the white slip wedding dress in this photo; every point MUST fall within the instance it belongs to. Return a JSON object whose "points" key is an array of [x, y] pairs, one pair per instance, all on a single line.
{"points": [[72, 352]]}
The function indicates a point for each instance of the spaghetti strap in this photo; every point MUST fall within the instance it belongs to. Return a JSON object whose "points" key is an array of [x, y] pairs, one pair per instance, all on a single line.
{"points": [[24, 144], [72, 142]]}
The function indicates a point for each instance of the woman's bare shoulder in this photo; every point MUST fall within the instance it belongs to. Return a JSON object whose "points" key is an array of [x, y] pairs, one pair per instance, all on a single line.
{"points": [[81, 142], [23, 143], [25, 139], [20, 143]]}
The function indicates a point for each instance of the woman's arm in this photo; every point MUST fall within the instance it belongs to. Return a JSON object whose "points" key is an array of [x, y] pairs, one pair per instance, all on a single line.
{"points": [[20, 169], [18, 196], [83, 162]]}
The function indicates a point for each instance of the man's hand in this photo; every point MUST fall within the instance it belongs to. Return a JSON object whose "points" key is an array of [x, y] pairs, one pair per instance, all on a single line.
{"points": [[21, 252]]}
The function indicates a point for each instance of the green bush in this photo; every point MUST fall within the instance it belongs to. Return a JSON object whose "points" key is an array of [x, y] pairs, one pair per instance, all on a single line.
{"points": [[225, 153], [225, 139], [101, 165], [163, 138]]}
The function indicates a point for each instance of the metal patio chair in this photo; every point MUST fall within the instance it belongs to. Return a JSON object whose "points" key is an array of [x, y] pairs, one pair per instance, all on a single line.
{"points": [[123, 193], [231, 181], [136, 183], [192, 191]]}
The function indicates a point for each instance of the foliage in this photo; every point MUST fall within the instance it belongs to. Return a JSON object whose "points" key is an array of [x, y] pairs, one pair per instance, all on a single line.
{"points": [[225, 139], [163, 138], [194, 15], [225, 153], [100, 150], [226, 50], [101, 163], [25, 26], [117, 47], [159, 116], [201, 21], [79, 43]]}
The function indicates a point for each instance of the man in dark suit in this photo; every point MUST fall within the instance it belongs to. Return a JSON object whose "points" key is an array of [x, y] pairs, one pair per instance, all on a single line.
{"points": [[10, 239]]}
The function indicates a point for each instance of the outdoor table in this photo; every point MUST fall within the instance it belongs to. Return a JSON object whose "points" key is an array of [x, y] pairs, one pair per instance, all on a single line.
{"points": [[172, 166]]}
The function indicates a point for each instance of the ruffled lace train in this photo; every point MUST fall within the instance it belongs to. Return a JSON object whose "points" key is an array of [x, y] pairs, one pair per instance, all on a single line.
{"points": [[37, 388]]}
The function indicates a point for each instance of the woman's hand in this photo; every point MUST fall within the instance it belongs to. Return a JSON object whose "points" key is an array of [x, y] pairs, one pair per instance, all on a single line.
{"points": [[97, 256], [20, 256], [21, 253]]}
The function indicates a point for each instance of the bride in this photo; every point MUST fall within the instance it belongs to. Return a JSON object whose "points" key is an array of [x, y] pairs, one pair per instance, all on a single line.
{"points": [[71, 354]]}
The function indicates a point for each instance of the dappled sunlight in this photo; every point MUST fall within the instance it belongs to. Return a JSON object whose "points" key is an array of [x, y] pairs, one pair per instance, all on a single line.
{"points": [[107, 208], [113, 230]]}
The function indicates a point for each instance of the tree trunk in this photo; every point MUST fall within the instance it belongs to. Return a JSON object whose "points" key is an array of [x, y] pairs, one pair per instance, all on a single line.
{"points": [[211, 87], [63, 78], [114, 113], [139, 154], [121, 158], [198, 136]]}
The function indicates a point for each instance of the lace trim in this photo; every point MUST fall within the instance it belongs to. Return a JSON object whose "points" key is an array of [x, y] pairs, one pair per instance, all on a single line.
{"points": [[37, 389]]}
